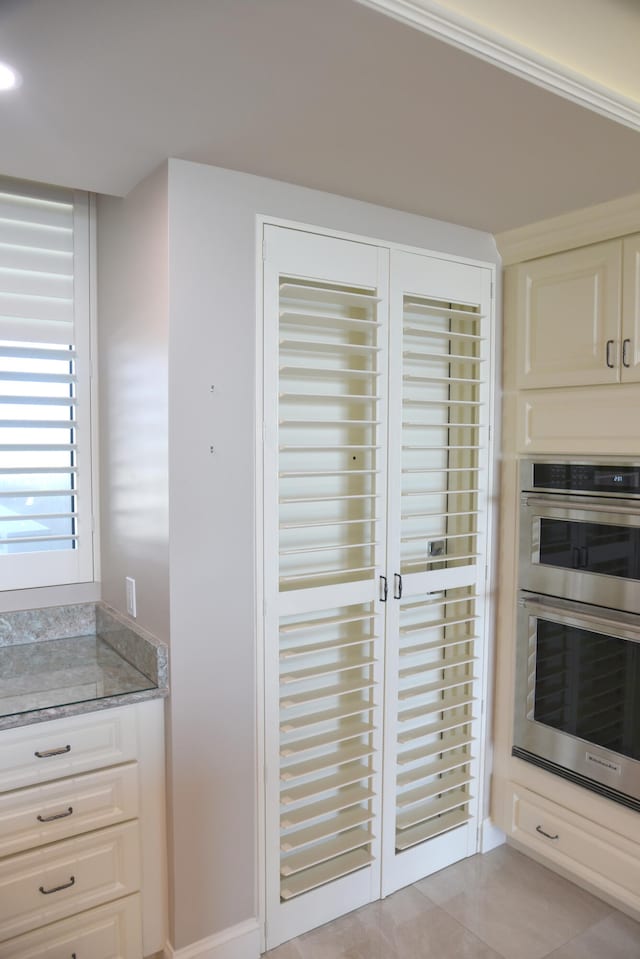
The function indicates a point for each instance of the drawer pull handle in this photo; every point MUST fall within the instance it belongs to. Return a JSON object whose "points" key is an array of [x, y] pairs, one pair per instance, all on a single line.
{"points": [[546, 834], [58, 815], [52, 752], [65, 885]]}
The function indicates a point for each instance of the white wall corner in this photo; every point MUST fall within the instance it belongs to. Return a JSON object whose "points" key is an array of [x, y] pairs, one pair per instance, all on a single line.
{"points": [[491, 836], [236, 942]]}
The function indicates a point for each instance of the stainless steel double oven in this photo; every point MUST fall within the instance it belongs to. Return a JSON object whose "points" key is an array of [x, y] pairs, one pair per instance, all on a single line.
{"points": [[577, 707]]}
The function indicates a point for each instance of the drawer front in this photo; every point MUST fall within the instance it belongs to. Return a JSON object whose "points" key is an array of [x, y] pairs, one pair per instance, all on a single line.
{"points": [[59, 880], [548, 828], [64, 747], [43, 814], [108, 932]]}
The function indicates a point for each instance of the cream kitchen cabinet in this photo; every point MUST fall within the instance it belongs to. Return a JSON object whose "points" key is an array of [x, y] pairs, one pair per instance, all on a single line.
{"points": [[605, 861], [630, 355], [81, 836], [578, 316]]}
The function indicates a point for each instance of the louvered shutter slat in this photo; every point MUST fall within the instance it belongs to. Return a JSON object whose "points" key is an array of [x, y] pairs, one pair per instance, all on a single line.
{"points": [[327, 872], [324, 852]]}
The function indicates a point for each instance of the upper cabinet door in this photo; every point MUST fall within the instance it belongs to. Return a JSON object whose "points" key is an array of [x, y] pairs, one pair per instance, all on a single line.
{"points": [[630, 350], [568, 315]]}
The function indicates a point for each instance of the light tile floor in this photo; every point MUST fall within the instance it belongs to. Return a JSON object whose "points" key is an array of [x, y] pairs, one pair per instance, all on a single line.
{"points": [[502, 905]]}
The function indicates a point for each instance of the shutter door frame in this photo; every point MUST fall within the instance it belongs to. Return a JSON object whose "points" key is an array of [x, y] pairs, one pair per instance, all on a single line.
{"points": [[331, 903]]}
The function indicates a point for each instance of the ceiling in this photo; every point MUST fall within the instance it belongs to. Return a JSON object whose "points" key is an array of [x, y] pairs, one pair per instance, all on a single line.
{"points": [[330, 94], [598, 40]]}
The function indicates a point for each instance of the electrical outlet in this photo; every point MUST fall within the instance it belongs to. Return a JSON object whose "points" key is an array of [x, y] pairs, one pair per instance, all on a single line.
{"points": [[131, 596]]}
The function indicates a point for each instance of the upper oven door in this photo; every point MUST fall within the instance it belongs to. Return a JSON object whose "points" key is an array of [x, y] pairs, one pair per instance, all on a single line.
{"points": [[581, 548]]}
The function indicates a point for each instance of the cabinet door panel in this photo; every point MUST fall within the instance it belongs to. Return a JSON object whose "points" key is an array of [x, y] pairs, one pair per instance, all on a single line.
{"points": [[598, 855], [108, 932], [52, 750], [44, 814], [568, 314], [631, 310], [67, 877]]}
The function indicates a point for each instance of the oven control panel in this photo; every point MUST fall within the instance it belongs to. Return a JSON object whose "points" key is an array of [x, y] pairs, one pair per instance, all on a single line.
{"points": [[583, 477]]}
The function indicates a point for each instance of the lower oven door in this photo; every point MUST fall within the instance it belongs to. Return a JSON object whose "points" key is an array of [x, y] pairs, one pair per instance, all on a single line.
{"points": [[581, 548], [577, 706]]}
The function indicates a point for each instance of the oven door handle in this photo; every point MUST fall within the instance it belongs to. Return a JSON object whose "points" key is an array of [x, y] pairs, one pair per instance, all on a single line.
{"points": [[570, 613], [616, 506]]}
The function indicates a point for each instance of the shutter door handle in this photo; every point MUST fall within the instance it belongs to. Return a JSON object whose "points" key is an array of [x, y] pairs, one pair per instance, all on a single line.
{"points": [[397, 586], [384, 589]]}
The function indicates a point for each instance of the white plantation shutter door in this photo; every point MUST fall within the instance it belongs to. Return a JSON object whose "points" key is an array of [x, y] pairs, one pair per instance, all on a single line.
{"points": [[437, 550], [376, 411], [325, 470], [45, 474]]}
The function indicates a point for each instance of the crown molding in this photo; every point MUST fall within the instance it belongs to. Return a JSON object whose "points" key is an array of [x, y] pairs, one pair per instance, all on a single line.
{"points": [[590, 225], [467, 35]]}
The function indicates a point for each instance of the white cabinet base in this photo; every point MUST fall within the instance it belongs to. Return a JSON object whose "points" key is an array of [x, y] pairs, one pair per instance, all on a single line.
{"points": [[108, 932], [602, 861], [66, 877], [82, 836]]}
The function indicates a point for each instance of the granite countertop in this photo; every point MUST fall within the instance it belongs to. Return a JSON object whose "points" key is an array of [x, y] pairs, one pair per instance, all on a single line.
{"points": [[44, 675]]}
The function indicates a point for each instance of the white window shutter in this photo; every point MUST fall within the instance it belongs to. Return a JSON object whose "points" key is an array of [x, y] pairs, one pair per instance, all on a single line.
{"points": [[45, 422]]}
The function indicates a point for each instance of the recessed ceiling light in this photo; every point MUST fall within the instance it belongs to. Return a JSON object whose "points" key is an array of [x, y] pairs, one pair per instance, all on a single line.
{"points": [[9, 78]]}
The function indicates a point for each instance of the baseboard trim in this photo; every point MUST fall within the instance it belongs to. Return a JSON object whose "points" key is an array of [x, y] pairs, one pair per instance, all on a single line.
{"points": [[491, 836], [236, 942]]}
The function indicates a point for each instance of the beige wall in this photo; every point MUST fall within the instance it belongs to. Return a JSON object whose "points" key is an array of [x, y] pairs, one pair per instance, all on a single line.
{"points": [[133, 323], [177, 281], [212, 256]]}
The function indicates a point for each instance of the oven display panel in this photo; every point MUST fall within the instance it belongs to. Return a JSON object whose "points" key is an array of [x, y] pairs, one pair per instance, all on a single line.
{"points": [[587, 478]]}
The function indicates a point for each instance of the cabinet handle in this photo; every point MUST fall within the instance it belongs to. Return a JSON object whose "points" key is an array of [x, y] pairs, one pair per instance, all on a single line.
{"points": [[608, 354], [58, 815], [384, 589], [547, 835], [65, 885], [397, 586], [625, 359], [52, 752]]}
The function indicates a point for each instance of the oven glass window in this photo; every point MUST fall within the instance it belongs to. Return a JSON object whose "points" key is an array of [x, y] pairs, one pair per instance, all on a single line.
{"points": [[587, 684], [590, 547]]}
